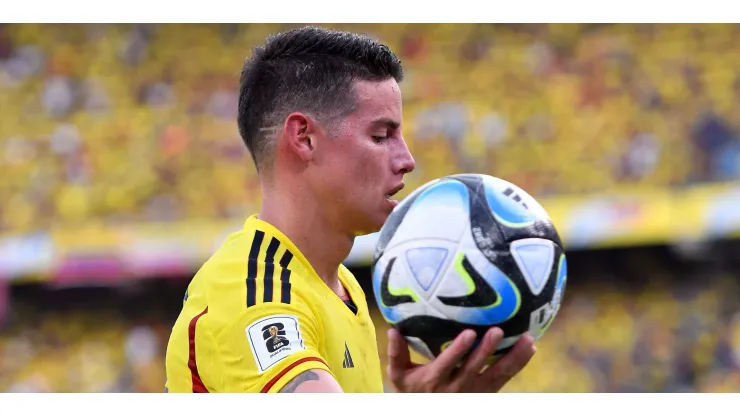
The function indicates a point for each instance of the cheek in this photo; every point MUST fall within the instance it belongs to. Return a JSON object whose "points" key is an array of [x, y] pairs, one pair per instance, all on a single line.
{"points": [[343, 181], [366, 170], [354, 179], [354, 172]]}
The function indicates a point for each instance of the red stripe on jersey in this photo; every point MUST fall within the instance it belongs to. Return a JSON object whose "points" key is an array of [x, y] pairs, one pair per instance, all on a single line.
{"points": [[275, 379], [198, 386]]}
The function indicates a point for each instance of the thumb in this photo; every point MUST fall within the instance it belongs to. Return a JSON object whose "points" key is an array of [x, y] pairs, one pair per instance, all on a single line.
{"points": [[399, 357]]}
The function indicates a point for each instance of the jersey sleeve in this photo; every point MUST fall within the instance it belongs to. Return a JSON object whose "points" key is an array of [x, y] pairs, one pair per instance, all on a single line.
{"points": [[268, 345]]}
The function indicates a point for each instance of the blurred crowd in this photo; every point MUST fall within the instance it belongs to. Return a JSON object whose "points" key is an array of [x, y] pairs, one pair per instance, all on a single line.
{"points": [[121, 123], [87, 340], [644, 328], [663, 342]]}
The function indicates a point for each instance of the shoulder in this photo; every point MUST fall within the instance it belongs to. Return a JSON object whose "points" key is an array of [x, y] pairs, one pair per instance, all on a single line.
{"points": [[220, 281], [252, 276], [267, 333], [257, 272]]}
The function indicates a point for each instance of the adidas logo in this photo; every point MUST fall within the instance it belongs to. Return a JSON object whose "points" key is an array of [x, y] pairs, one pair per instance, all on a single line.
{"points": [[347, 363]]}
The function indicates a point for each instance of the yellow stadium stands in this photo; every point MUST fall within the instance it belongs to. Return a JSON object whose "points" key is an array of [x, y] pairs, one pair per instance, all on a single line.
{"points": [[121, 123]]}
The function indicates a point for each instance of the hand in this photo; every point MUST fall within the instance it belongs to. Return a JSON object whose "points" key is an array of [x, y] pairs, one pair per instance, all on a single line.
{"points": [[443, 375]]}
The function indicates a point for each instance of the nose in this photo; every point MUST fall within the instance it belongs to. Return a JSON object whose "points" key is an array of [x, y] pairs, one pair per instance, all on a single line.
{"points": [[404, 162]]}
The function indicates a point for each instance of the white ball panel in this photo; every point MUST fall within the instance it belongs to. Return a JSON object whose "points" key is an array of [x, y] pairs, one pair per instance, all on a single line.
{"points": [[453, 284], [403, 274], [535, 258], [509, 341], [421, 308], [439, 216]]}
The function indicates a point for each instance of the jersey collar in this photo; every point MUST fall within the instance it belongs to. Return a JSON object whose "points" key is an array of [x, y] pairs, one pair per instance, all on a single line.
{"points": [[255, 223]]}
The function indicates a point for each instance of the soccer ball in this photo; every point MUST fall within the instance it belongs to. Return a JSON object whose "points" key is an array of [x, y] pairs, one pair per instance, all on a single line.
{"points": [[468, 251]]}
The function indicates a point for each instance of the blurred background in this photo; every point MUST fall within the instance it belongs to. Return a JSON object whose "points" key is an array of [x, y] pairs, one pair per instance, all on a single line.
{"points": [[110, 135]]}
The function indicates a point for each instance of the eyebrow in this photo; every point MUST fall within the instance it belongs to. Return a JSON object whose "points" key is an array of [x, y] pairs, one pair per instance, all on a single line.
{"points": [[387, 122]]}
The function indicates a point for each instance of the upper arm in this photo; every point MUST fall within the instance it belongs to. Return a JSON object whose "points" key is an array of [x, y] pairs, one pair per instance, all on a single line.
{"points": [[270, 344], [312, 381]]}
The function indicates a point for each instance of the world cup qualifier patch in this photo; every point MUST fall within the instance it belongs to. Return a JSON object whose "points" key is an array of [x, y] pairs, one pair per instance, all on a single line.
{"points": [[273, 338]]}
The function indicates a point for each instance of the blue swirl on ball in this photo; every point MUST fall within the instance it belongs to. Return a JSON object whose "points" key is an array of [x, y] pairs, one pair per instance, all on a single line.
{"points": [[391, 314], [505, 208], [447, 192]]}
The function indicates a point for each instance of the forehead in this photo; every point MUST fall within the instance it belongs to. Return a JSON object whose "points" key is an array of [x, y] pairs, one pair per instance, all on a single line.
{"points": [[378, 100]]}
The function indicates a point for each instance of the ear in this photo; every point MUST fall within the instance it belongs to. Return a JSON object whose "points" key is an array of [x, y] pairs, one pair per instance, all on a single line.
{"points": [[300, 135]]}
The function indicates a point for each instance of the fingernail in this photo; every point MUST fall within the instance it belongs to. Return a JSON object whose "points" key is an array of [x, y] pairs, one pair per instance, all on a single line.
{"points": [[494, 333], [469, 336]]}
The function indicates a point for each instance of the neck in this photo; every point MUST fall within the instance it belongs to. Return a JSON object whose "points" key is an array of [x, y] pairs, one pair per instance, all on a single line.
{"points": [[303, 221]]}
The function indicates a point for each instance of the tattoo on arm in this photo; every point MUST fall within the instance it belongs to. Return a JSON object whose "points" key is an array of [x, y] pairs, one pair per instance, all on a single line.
{"points": [[305, 376]]}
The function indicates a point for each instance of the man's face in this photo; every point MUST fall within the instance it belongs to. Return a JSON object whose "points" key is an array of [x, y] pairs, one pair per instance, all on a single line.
{"points": [[364, 160]]}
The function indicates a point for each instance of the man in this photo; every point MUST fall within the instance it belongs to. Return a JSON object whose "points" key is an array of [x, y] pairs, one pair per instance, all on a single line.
{"points": [[320, 112]]}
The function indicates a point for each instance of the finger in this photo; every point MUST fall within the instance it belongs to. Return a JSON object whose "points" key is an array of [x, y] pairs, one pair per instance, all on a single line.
{"points": [[399, 357], [509, 365], [479, 359], [447, 361]]}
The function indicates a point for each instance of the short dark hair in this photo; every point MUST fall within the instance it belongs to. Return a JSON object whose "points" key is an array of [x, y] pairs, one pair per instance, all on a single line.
{"points": [[312, 70]]}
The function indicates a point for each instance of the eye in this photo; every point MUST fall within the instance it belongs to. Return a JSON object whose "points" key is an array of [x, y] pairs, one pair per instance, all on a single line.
{"points": [[380, 139]]}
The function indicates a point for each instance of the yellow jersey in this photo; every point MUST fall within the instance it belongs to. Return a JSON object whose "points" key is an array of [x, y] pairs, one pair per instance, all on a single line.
{"points": [[256, 315]]}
